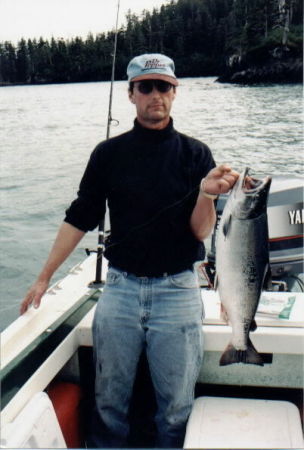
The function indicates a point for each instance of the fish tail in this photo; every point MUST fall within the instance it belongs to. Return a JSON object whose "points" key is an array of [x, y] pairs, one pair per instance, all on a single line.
{"points": [[249, 356]]}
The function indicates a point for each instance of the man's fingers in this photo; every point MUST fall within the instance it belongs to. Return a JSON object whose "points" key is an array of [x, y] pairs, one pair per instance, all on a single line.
{"points": [[225, 185], [228, 175], [224, 170], [36, 301], [221, 179], [231, 177], [32, 298], [26, 303]]}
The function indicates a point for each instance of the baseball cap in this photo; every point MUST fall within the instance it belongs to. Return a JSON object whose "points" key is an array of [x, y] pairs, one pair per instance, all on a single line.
{"points": [[153, 66]]}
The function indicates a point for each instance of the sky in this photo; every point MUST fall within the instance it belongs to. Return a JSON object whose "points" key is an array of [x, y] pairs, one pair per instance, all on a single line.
{"points": [[64, 18]]}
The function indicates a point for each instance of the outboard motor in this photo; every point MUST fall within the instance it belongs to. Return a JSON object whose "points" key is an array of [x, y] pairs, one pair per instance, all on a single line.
{"points": [[285, 222]]}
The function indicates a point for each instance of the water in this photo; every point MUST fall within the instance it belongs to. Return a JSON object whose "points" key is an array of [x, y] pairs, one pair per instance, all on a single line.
{"points": [[48, 132]]}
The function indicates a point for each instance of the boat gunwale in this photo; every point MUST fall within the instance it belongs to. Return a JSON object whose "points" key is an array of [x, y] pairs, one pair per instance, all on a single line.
{"points": [[42, 346]]}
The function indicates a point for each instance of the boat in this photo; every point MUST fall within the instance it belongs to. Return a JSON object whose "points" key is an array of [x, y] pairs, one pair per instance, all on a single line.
{"points": [[47, 374]]}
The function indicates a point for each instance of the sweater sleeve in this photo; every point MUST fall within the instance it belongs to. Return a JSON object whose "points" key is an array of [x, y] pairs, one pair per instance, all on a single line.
{"points": [[89, 207], [203, 162]]}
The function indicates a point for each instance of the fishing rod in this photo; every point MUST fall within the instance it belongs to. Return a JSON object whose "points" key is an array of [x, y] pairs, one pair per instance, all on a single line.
{"points": [[110, 119], [101, 225]]}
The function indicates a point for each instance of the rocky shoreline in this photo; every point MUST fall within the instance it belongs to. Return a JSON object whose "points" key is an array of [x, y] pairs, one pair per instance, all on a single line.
{"points": [[274, 71]]}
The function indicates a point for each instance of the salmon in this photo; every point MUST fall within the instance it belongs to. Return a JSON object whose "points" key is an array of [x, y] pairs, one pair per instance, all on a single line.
{"points": [[242, 263]]}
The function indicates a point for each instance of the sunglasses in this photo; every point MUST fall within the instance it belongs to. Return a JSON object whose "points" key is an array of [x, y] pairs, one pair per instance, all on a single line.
{"points": [[147, 86]]}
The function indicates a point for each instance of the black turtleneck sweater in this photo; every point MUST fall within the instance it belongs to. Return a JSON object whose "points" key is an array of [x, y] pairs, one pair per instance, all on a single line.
{"points": [[150, 179]]}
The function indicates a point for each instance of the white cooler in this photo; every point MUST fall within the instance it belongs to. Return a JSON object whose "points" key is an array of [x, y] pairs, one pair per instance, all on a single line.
{"points": [[219, 422]]}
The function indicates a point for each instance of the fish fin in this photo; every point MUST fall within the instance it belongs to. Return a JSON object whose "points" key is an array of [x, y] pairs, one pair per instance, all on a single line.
{"points": [[233, 356], [267, 282], [226, 225], [223, 314], [253, 326]]}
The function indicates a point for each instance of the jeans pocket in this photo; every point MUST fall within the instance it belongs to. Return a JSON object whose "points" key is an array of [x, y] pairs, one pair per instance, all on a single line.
{"points": [[187, 279], [113, 277]]}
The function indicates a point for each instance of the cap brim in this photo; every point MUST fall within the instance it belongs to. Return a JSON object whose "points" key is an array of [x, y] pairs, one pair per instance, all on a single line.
{"points": [[156, 76]]}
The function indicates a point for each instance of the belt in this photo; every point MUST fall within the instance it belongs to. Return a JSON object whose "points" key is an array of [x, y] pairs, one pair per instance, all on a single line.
{"points": [[153, 274]]}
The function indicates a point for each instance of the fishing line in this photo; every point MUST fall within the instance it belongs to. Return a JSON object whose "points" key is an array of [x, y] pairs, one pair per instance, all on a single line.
{"points": [[153, 218]]}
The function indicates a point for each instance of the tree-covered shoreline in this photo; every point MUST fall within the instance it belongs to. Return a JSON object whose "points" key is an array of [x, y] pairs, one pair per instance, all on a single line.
{"points": [[240, 41]]}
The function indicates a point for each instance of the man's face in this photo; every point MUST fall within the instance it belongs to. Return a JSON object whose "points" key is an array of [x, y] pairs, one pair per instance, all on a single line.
{"points": [[153, 101]]}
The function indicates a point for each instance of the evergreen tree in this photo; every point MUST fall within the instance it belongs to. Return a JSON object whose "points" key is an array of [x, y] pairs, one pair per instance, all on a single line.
{"points": [[22, 63], [200, 35]]}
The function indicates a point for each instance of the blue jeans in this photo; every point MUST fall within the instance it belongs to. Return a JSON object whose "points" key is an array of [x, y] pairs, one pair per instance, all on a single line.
{"points": [[164, 316]]}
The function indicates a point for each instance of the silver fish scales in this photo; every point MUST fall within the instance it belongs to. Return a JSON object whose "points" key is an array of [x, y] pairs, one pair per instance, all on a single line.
{"points": [[242, 263]]}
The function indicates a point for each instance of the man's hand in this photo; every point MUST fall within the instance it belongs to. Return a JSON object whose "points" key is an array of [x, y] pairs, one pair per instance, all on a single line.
{"points": [[34, 295], [67, 238], [219, 180]]}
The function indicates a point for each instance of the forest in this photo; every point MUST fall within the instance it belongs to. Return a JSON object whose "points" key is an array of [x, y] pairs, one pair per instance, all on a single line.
{"points": [[222, 38]]}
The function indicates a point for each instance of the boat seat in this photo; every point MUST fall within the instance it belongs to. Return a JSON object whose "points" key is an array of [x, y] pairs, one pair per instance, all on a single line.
{"points": [[220, 422]]}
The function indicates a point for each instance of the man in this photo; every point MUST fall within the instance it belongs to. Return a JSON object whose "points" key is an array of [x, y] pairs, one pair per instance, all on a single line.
{"points": [[160, 186]]}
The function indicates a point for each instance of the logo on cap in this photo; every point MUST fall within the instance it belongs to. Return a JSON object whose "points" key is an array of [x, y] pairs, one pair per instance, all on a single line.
{"points": [[154, 64]]}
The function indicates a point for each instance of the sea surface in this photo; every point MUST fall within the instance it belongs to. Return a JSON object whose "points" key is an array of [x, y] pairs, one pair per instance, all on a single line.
{"points": [[48, 132]]}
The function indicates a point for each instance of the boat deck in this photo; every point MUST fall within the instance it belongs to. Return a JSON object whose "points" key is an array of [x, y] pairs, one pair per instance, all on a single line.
{"points": [[60, 333]]}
